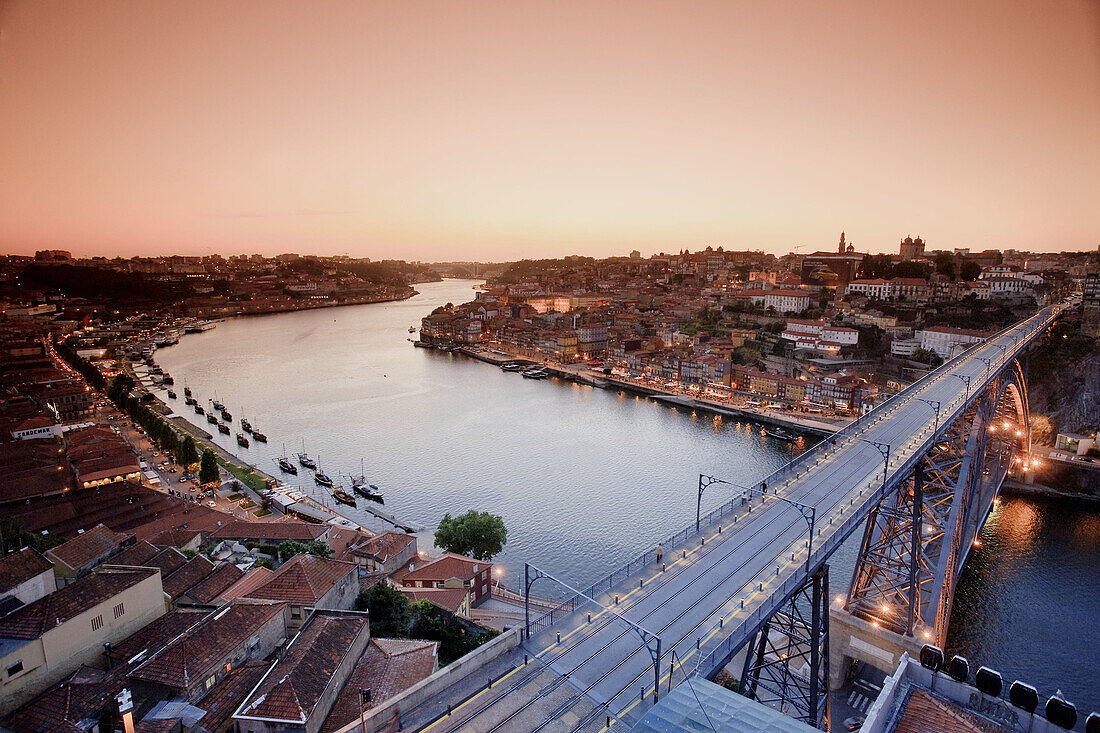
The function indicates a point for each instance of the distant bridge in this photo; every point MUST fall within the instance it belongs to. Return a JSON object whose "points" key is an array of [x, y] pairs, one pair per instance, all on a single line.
{"points": [[750, 581]]}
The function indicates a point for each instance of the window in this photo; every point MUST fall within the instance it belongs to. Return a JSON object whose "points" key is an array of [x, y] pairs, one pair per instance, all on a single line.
{"points": [[211, 681], [119, 610], [97, 623], [15, 668], [295, 611]]}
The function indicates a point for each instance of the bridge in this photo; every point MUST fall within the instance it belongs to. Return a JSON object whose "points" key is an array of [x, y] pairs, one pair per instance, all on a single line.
{"points": [[749, 582]]}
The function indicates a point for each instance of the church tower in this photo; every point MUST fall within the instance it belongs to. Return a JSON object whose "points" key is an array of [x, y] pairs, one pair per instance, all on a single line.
{"points": [[840, 249]]}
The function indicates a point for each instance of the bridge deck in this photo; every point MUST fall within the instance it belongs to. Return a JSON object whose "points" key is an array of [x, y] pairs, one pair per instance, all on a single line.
{"points": [[718, 586]]}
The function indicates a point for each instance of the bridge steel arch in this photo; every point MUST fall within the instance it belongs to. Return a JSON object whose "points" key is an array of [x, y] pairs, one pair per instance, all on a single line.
{"points": [[918, 536]]}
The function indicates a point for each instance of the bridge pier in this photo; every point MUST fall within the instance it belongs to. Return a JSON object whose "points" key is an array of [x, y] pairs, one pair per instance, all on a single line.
{"points": [[853, 638]]}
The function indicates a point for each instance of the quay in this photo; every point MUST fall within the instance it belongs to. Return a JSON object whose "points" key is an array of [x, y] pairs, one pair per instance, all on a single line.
{"points": [[603, 381]]}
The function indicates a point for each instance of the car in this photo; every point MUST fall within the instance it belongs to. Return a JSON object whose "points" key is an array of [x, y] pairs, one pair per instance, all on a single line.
{"points": [[172, 469], [212, 504], [854, 723], [183, 479]]}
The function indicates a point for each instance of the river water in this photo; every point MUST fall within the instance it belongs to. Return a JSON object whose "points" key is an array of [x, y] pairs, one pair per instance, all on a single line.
{"points": [[584, 478]]}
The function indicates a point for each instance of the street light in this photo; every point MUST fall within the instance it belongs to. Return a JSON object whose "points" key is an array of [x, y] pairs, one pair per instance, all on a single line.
{"points": [[935, 404], [884, 449], [966, 380]]}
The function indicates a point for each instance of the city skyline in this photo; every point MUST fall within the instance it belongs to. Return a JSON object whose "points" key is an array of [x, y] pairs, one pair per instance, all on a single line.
{"points": [[483, 133]]}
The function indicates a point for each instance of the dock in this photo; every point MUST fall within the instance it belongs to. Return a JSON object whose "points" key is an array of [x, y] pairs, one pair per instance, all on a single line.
{"points": [[386, 517]]}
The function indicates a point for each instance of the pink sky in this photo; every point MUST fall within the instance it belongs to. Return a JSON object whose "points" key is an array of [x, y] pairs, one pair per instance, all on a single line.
{"points": [[499, 130]]}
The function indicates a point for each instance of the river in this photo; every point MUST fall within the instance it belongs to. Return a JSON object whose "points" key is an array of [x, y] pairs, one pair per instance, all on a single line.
{"points": [[586, 478]]}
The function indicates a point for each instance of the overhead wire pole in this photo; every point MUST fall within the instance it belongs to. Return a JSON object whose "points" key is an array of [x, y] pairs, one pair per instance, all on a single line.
{"points": [[935, 404], [965, 379]]}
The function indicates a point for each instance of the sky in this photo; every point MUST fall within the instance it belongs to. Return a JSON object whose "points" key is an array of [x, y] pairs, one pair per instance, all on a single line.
{"points": [[499, 130]]}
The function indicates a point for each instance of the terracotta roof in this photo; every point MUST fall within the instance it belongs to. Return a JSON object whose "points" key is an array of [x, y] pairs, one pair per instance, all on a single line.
{"points": [[385, 545], [293, 687], [446, 567], [387, 668], [281, 531], [37, 617], [923, 713], [304, 580], [191, 657], [448, 598], [139, 646], [226, 696], [19, 567], [87, 548], [254, 578], [138, 554], [211, 587], [194, 570], [58, 710], [157, 725], [168, 560]]}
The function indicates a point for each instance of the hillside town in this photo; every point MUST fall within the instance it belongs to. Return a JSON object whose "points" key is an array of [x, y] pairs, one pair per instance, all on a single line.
{"points": [[831, 332]]}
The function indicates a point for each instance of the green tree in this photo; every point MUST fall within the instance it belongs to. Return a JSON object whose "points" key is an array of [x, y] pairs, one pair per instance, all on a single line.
{"points": [[945, 264], [927, 356], [120, 388], [476, 534], [290, 548], [389, 608], [969, 270], [208, 471], [187, 453]]}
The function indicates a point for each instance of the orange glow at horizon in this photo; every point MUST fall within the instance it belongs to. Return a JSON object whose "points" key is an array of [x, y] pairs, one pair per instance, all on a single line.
{"points": [[463, 130]]}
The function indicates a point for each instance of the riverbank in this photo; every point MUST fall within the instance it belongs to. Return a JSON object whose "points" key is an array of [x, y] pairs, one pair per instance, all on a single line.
{"points": [[1012, 487], [594, 378]]}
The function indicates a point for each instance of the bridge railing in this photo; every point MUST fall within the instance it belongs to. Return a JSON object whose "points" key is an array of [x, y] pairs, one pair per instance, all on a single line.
{"points": [[790, 471]]}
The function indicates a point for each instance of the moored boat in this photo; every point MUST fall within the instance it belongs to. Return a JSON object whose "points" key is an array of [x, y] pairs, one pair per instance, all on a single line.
{"points": [[187, 391], [246, 425], [223, 428], [171, 395], [242, 441], [226, 415], [199, 410], [343, 497], [257, 435], [212, 419], [322, 479], [287, 466]]}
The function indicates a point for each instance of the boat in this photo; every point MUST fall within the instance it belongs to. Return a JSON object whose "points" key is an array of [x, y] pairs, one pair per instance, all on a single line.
{"points": [[360, 486], [304, 458], [212, 418], [217, 405], [343, 497], [511, 366], [257, 435], [536, 373], [168, 379], [286, 466], [199, 327], [190, 401], [171, 395], [241, 440], [223, 428], [780, 434], [322, 479], [199, 410], [246, 426], [412, 329], [226, 415], [187, 391]]}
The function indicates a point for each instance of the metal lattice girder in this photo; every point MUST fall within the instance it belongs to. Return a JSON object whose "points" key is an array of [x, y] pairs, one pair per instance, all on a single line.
{"points": [[917, 538], [786, 662]]}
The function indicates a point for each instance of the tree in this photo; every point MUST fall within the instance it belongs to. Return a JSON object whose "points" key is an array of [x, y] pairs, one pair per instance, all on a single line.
{"points": [[969, 270], [187, 453], [208, 471], [945, 264], [389, 608], [120, 388], [927, 356], [476, 534], [290, 548]]}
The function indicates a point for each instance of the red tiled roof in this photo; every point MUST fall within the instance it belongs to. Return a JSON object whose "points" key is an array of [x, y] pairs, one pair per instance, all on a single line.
{"points": [[446, 567], [34, 619], [254, 578], [388, 667], [304, 580], [293, 687], [191, 657], [19, 567], [137, 554], [924, 713], [58, 710], [385, 545], [194, 570], [280, 531], [211, 587], [87, 548], [447, 598], [226, 696], [139, 646]]}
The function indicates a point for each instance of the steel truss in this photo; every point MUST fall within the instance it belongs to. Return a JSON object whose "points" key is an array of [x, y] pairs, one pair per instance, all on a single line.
{"points": [[787, 661], [917, 538]]}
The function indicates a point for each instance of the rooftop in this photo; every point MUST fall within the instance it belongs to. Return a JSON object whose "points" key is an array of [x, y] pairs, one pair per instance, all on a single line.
{"points": [[303, 580], [384, 545], [37, 617], [292, 688], [387, 668], [87, 548], [448, 566], [19, 567]]}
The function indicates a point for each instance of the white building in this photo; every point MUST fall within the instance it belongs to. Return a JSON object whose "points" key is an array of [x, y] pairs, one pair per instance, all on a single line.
{"points": [[787, 301], [948, 342], [876, 288]]}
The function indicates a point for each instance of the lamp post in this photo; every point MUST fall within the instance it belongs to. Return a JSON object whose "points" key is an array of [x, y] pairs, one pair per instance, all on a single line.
{"points": [[935, 404], [884, 449], [966, 380], [988, 362]]}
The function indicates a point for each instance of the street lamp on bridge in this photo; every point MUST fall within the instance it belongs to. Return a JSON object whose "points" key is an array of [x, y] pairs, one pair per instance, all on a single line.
{"points": [[934, 404], [884, 449], [966, 380]]}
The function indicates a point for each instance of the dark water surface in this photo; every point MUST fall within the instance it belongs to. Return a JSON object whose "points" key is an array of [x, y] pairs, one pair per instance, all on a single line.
{"points": [[585, 478]]}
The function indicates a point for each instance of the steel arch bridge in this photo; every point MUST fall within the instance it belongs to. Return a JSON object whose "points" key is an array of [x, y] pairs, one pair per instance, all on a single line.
{"points": [[750, 581]]}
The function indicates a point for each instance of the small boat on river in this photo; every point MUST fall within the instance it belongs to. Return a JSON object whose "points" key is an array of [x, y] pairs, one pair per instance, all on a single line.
{"points": [[258, 436], [343, 497], [223, 428], [242, 441]]}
